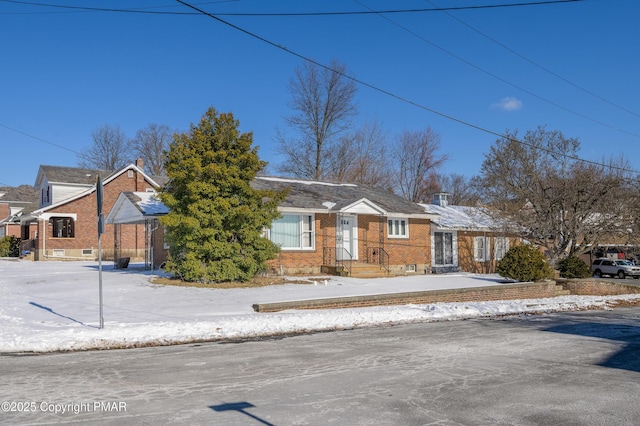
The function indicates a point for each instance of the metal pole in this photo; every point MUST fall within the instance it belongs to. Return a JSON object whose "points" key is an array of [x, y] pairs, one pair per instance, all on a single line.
{"points": [[100, 278]]}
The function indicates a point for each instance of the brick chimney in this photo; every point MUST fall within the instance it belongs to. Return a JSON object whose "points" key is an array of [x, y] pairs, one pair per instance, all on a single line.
{"points": [[140, 163]]}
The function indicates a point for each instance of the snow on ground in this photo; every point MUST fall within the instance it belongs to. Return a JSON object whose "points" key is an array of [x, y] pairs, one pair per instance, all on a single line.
{"points": [[54, 306]]}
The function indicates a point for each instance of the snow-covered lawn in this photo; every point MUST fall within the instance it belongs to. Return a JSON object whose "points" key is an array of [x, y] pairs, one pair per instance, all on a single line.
{"points": [[52, 306]]}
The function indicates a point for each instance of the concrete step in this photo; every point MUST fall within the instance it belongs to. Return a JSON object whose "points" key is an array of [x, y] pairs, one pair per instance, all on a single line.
{"points": [[356, 269]]}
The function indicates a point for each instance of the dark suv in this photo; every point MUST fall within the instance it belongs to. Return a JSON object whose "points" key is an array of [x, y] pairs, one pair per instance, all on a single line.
{"points": [[615, 268]]}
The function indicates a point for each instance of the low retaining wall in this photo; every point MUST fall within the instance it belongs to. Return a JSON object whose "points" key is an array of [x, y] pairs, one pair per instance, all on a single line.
{"points": [[473, 294], [599, 287]]}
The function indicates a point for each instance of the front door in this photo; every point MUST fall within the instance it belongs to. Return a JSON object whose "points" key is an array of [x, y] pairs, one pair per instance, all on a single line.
{"points": [[347, 239]]}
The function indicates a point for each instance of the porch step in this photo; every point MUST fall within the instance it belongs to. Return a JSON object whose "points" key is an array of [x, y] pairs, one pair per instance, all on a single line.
{"points": [[560, 291], [357, 269]]}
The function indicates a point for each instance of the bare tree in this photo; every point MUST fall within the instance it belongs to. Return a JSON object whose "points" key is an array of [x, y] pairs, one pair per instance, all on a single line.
{"points": [[553, 198], [418, 162], [362, 157], [463, 191], [323, 103], [151, 144], [110, 150]]}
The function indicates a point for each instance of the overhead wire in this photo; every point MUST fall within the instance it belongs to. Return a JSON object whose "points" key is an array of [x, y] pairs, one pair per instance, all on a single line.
{"points": [[281, 14], [38, 138], [361, 82], [534, 63], [503, 80], [398, 97]]}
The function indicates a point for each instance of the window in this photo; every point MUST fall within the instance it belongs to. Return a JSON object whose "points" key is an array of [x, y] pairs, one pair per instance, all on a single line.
{"points": [[443, 248], [294, 232], [87, 252], [398, 228], [62, 227], [480, 249], [501, 247]]}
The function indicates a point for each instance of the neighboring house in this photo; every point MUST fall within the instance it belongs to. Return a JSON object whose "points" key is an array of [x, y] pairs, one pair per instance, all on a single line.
{"points": [[143, 208], [465, 238], [15, 202], [64, 226], [346, 228]]}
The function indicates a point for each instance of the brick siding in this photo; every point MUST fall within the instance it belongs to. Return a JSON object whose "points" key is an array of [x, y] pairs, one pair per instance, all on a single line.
{"points": [[501, 292], [86, 226], [402, 251]]}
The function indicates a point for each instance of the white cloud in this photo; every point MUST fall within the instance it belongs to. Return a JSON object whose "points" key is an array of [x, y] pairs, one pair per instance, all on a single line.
{"points": [[508, 104]]}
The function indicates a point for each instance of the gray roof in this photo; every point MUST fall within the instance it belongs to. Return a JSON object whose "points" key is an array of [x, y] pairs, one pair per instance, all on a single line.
{"points": [[75, 175], [18, 195], [305, 194]]}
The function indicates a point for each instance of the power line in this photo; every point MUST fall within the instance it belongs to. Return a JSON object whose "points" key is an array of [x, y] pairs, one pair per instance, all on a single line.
{"points": [[400, 98], [38, 138], [145, 10], [503, 80], [535, 64]]}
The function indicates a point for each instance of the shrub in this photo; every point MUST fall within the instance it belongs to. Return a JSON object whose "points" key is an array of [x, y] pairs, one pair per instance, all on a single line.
{"points": [[573, 267], [524, 263]]}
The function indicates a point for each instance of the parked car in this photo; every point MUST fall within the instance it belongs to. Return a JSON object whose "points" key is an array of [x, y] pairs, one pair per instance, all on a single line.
{"points": [[615, 268]]}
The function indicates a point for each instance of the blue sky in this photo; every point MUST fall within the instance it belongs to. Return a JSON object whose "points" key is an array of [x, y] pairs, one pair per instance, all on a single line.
{"points": [[571, 66]]}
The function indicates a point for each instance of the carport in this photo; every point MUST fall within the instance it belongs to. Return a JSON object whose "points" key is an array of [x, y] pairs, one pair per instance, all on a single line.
{"points": [[139, 208]]}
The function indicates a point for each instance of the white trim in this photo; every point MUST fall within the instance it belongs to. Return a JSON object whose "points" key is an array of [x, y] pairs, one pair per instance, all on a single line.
{"points": [[39, 212], [47, 216], [485, 248], [454, 246], [353, 245], [496, 241], [363, 206], [406, 227], [302, 216]]}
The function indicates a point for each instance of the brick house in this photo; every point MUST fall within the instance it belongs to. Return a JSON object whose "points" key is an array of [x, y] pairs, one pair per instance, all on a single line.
{"points": [[15, 202], [465, 238], [64, 226], [347, 228]]}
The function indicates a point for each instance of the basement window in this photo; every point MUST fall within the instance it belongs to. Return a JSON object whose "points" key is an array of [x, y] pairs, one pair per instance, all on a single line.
{"points": [[87, 252]]}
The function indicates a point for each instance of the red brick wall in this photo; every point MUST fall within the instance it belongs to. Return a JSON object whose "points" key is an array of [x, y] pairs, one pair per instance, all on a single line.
{"points": [[86, 227], [504, 292], [402, 251], [466, 255], [5, 211]]}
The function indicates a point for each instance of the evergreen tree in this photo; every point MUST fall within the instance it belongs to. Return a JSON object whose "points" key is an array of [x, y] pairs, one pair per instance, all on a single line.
{"points": [[216, 218]]}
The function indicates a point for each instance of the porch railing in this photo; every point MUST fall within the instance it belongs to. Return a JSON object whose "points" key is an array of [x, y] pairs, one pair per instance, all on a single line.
{"points": [[379, 256], [330, 257]]}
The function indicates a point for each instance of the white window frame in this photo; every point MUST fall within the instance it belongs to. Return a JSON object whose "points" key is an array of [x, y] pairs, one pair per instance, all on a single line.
{"points": [[445, 251], [395, 227], [484, 256], [501, 247], [303, 218]]}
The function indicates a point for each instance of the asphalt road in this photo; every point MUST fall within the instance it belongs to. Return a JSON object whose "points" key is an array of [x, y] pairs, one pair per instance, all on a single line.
{"points": [[580, 368]]}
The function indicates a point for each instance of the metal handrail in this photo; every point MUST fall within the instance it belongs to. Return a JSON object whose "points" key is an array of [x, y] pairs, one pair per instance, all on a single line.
{"points": [[341, 261], [379, 256]]}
